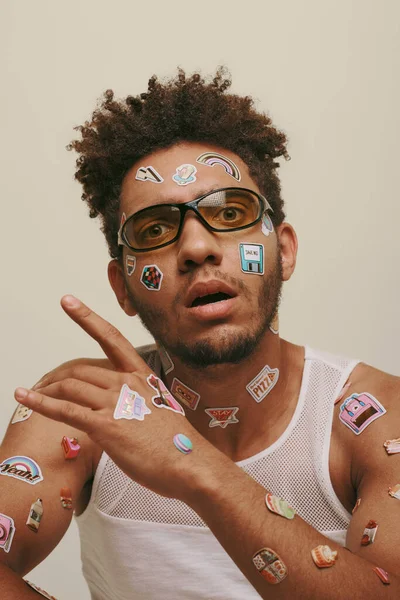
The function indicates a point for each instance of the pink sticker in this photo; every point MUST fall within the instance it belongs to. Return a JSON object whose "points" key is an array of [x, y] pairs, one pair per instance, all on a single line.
{"points": [[7, 530], [71, 447], [342, 392], [164, 399], [359, 410], [221, 417]]}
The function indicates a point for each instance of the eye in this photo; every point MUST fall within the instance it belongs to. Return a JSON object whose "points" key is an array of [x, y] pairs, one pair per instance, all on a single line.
{"points": [[231, 215], [154, 232]]}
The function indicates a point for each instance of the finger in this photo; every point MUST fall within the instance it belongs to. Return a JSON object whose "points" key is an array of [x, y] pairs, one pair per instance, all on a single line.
{"points": [[103, 378], [58, 410], [121, 352], [79, 392]]}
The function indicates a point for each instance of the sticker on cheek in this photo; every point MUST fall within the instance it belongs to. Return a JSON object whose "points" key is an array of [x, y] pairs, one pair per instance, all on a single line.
{"points": [[252, 258], [130, 264], [182, 443], [148, 174], [185, 174], [263, 383], [35, 515], [369, 533], [7, 530], [274, 326], [185, 394], [166, 361], [395, 491], [151, 277], [213, 158], [71, 447], [222, 417], [22, 413], [392, 446], [39, 590], [266, 224], [123, 219], [324, 557], [164, 399], [359, 410], [23, 468], [66, 498], [130, 405], [270, 565]]}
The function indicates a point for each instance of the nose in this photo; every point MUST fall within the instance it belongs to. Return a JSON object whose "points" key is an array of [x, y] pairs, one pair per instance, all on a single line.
{"points": [[197, 245]]}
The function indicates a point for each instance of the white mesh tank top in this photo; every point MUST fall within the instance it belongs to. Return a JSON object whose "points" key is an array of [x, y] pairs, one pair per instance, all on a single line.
{"points": [[136, 544]]}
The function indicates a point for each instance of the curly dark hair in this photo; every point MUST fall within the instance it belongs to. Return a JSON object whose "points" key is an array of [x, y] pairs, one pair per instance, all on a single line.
{"points": [[121, 132]]}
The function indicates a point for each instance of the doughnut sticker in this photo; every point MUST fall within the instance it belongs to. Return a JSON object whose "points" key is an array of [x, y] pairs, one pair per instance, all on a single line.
{"points": [[252, 258], [23, 468], [324, 557], [263, 383], [148, 174], [130, 264], [222, 417], [7, 530], [270, 565], [185, 394], [359, 410], [151, 278], [164, 399], [185, 174], [130, 405], [210, 159], [22, 413]]}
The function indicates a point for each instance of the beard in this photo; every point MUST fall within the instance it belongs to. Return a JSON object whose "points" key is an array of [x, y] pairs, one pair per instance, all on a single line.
{"points": [[230, 347]]}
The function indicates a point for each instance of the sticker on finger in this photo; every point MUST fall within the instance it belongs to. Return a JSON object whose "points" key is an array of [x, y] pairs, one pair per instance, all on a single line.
{"points": [[7, 530], [222, 417], [360, 410], [164, 398], [151, 278], [22, 468], [130, 405], [263, 383], [270, 566], [252, 258], [185, 394], [130, 264], [22, 413]]}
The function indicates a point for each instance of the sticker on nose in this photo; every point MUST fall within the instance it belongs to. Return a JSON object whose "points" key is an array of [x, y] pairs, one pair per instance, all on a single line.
{"points": [[252, 258], [185, 174], [151, 277]]}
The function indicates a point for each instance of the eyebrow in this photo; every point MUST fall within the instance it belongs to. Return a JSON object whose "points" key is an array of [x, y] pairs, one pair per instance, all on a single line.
{"points": [[172, 200]]}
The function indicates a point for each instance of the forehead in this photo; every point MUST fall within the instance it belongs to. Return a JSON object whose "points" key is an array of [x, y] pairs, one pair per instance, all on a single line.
{"points": [[212, 172]]}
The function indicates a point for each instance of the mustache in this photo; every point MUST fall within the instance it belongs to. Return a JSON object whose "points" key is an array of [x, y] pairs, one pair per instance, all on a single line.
{"points": [[213, 274]]}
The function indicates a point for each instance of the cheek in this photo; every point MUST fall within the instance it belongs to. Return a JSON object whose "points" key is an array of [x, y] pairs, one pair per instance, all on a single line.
{"points": [[147, 276]]}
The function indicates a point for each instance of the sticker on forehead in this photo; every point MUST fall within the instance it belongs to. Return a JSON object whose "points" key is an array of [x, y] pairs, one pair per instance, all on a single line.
{"points": [[266, 224], [359, 410], [148, 174], [7, 530], [23, 468], [221, 417], [252, 258], [151, 277], [263, 383], [130, 264], [213, 158], [185, 174]]}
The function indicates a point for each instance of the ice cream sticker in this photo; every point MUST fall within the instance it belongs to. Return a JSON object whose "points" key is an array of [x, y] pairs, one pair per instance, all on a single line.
{"points": [[185, 174]]}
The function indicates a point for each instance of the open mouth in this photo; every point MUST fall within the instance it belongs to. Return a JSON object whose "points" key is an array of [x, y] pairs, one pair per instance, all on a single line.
{"points": [[210, 298]]}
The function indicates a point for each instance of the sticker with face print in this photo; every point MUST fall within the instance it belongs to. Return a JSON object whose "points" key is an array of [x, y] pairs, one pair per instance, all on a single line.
{"points": [[267, 226], [22, 413], [166, 361], [359, 410], [221, 417], [164, 398], [130, 405], [213, 158], [185, 174], [7, 530], [130, 264], [22, 468], [270, 565], [148, 174], [252, 258], [151, 278], [274, 326], [185, 394], [262, 384]]}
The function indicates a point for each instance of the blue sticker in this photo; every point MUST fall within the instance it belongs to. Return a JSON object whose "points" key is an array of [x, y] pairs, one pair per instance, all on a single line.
{"points": [[252, 258]]}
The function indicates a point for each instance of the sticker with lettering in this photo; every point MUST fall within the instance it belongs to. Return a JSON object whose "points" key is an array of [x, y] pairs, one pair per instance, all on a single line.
{"points": [[7, 530], [324, 557], [392, 446], [164, 398], [130, 264], [166, 360], [270, 565], [185, 394], [263, 383], [130, 405], [221, 417], [71, 447], [185, 174], [213, 158], [148, 174], [267, 226], [35, 515], [22, 413], [252, 258], [359, 410], [151, 278], [23, 468], [274, 325]]}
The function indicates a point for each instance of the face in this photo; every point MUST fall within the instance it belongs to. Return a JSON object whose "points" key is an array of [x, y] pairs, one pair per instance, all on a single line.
{"points": [[208, 297]]}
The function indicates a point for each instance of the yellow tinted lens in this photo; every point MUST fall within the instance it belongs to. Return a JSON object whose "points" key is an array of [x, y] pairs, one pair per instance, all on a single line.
{"points": [[229, 209], [152, 227]]}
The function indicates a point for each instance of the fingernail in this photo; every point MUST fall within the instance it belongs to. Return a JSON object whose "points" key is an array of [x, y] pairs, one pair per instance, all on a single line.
{"points": [[21, 393], [70, 301]]}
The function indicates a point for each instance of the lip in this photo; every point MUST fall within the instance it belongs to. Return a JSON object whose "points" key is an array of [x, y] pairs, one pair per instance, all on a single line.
{"points": [[214, 311], [205, 288]]}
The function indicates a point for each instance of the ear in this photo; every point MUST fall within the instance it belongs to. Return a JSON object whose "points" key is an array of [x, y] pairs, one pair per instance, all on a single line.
{"points": [[287, 240], [117, 282]]}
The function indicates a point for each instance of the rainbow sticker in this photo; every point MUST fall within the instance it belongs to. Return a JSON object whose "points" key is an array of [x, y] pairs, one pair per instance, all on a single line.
{"points": [[213, 158], [23, 468]]}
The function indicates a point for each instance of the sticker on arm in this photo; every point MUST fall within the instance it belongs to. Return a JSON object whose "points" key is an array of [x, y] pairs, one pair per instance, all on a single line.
{"points": [[270, 565], [35, 515], [7, 530]]}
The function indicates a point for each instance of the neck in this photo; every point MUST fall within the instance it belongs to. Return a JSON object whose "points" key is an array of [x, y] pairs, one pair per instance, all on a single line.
{"points": [[272, 375]]}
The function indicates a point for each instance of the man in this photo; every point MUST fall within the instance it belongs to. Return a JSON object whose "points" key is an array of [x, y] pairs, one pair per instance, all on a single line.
{"points": [[241, 483]]}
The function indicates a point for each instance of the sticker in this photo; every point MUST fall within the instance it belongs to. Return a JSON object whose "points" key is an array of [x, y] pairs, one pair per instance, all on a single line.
{"points": [[252, 258], [123, 219], [23, 468], [213, 158], [66, 498], [185, 394], [221, 417], [323, 556], [130, 405], [185, 174], [148, 174], [267, 226], [359, 410], [263, 383], [39, 590], [270, 565], [7, 530], [369, 533], [164, 399], [35, 515], [274, 325], [130, 264], [71, 447], [382, 574], [166, 360], [151, 277], [342, 392], [22, 413], [357, 504], [279, 506], [392, 446], [183, 443], [395, 491]]}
